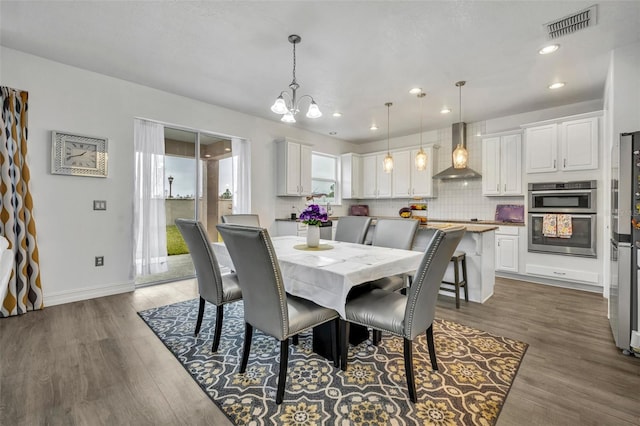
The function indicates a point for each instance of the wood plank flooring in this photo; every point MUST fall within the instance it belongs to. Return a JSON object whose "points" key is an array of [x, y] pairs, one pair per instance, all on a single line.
{"points": [[96, 363]]}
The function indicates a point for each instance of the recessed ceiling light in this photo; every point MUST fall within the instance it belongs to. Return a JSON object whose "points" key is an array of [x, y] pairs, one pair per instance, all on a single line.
{"points": [[337, 114], [207, 156], [333, 133], [415, 90], [445, 110], [478, 134], [373, 127], [549, 49], [556, 85], [227, 149]]}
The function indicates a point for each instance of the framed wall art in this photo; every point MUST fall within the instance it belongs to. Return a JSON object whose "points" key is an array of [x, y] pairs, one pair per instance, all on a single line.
{"points": [[78, 155]]}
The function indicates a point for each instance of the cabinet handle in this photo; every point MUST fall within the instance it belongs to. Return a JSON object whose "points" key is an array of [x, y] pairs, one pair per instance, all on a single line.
{"points": [[565, 163], [498, 187], [554, 164], [559, 273]]}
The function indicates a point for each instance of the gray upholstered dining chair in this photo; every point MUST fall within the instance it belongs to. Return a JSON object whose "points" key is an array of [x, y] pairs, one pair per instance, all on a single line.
{"points": [[352, 229], [213, 287], [406, 315], [242, 219], [394, 233], [267, 306]]}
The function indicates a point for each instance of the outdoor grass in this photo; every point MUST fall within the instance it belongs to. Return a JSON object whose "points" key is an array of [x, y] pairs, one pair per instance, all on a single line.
{"points": [[175, 242]]}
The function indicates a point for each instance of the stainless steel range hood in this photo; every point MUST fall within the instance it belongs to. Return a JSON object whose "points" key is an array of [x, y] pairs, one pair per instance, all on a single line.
{"points": [[458, 136]]}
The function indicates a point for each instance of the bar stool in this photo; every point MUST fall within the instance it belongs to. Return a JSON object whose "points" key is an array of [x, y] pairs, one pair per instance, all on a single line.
{"points": [[458, 258]]}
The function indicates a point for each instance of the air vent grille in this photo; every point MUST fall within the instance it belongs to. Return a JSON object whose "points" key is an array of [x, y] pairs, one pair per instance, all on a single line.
{"points": [[572, 23]]}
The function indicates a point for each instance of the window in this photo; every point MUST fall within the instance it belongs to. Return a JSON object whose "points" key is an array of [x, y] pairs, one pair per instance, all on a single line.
{"points": [[324, 178]]}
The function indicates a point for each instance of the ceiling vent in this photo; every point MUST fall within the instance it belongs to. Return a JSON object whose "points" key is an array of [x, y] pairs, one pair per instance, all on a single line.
{"points": [[572, 23]]}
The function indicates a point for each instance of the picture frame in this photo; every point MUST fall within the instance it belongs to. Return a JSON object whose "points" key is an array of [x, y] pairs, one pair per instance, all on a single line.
{"points": [[78, 155]]}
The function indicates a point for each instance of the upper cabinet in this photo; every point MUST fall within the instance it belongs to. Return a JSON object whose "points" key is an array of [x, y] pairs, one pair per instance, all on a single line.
{"points": [[409, 181], [375, 182], [563, 145], [502, 165], [294, 168], [351, 165]]}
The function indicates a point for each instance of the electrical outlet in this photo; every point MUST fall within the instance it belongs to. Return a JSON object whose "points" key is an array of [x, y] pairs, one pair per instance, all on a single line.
{"points": [[99, 204], [99, 260]]}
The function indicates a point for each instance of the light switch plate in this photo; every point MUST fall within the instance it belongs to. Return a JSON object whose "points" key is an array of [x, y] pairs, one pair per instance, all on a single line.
{"points": [[99, 204], [99, 260]]}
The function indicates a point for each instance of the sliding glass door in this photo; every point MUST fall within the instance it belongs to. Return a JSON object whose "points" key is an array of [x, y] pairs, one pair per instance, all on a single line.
{"points": [[197, 186]]}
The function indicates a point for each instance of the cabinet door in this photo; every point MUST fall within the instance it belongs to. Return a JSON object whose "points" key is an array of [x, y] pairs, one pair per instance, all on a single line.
{"points": [[422, 180], [305, 170], [542, 148], [401, 174], [383, 180], [293, 168], [511, 165], [491, 166], [351, 176], [369, 172], [506, 253], [579, 144]]}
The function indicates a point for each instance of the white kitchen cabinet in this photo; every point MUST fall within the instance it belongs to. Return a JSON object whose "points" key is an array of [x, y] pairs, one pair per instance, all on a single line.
{"points": [[294, 168], [542, 148], [290, 227], [564, 145], [579, 144], [351, 165], [409, 181], [507, 248], [502, 165], [401, 177], [376, 183]]}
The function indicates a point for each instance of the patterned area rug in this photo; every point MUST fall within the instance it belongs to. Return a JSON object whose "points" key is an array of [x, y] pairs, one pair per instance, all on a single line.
{"points": [[476, 373]]}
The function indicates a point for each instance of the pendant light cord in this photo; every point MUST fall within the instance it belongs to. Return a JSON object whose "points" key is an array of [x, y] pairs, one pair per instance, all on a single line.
{"points": [[421, 95], [388, 104], [294, 64]]}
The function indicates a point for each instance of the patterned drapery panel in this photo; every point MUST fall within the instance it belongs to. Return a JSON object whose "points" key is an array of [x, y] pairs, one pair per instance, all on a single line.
{"points": [[23, 290]]}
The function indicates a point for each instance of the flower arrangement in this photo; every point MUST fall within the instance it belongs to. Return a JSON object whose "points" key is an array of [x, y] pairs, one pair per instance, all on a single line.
{"points": [[313, 215]]}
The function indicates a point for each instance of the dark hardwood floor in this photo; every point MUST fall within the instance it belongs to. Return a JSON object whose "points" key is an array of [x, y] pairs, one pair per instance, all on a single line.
{"points": [[95, 362]]}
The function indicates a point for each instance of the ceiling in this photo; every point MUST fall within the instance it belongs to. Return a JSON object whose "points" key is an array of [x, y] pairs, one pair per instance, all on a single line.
{"points": [[354, 55]]}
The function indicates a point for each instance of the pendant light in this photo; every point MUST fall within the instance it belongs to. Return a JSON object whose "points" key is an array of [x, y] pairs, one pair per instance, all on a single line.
{"points": [[387, 163], [421, 156], [460, 154]]}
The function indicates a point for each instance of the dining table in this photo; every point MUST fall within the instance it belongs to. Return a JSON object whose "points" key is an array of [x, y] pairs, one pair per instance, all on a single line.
{"points": [[327, 273]]}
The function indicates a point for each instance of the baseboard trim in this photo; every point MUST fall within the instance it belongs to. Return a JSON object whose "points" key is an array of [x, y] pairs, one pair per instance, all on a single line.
{"points": [[87, 293], [551, 282]]}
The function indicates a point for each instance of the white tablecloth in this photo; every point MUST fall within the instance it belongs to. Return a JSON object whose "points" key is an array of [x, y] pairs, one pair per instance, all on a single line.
{"points": [[327, 276]]}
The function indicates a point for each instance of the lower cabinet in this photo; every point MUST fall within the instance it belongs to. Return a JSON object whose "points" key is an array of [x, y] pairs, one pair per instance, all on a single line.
{"points": [[285, 227], [563, 274], [507, 247]]}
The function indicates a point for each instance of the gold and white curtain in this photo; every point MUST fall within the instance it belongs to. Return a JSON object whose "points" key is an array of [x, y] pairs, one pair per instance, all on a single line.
{"points": [[22, 291]]}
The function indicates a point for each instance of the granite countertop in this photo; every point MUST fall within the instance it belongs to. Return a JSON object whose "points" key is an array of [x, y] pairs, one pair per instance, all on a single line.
{"points": [[479, 222]]}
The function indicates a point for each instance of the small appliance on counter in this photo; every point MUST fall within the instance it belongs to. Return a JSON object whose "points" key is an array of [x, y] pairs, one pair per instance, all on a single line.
{"points": [[513, 213], [359, 210]]}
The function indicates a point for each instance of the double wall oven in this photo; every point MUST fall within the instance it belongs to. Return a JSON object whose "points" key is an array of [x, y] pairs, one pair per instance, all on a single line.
{"points": [[571, 203]]}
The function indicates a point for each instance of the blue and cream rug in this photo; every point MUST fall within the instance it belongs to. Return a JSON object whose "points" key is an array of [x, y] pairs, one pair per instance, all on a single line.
{"points": [[476, 373]]}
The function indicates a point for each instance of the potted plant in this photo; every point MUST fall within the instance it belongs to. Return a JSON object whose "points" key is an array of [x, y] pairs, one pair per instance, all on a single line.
{"points": [[313, 215]]}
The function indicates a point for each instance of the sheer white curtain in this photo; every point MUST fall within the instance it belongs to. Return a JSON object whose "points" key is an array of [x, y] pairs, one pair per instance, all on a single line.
{"points": [[149, 222], [241, 154]]}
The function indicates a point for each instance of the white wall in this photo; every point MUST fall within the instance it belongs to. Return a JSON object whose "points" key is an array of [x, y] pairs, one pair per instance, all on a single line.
{"points": [[70, 233]]}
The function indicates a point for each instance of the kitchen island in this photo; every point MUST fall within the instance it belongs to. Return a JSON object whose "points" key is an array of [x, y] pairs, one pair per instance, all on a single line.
{"points": [[478, 243]]}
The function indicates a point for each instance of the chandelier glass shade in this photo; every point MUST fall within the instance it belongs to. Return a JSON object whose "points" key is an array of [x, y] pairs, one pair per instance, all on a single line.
{"points": [[460, 154], [387, 162], [421, 156], [287, 103]]}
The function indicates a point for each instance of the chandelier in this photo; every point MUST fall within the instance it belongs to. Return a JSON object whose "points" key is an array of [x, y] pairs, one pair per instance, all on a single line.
{"points": [[290, 109], [460, 154], [421, 156], [387, 163]]}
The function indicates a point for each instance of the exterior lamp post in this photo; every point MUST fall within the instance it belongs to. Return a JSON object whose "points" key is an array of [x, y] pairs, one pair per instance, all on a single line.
{"points": [[170, 183]]}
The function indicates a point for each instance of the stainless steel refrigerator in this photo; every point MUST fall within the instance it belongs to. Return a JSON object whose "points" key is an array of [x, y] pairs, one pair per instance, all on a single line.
{"points": [[625, 238]]}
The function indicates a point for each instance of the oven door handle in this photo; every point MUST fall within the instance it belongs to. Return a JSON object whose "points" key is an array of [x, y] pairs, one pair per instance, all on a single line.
{"points": [[564, 191], [586, 216]]}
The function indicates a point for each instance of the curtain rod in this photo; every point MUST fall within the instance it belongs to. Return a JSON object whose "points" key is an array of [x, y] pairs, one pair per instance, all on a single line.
{"points": [[189, 129]]}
